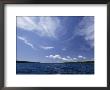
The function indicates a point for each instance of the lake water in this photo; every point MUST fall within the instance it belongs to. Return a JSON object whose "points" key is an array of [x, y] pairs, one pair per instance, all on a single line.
{"points": [[54, 68]]}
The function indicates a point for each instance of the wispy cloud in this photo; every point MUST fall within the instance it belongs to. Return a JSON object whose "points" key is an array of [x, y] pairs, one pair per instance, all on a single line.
{"points": [[86, 28], [26, 23], [26, 41], [42, 25], [46, 47]]}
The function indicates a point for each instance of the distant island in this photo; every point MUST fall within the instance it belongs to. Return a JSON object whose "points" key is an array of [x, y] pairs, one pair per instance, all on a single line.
{"points": [[81, 62], [26, 62], [62, 62]]}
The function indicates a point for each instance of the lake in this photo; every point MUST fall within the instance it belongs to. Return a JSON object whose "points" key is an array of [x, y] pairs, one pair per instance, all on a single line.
{"points": [[55, 68]]}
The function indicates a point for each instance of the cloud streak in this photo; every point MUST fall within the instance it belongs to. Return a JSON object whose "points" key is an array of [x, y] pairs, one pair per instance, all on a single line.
{"points": [[25, 41], [86, 29], [47, 47], [42, 25]]}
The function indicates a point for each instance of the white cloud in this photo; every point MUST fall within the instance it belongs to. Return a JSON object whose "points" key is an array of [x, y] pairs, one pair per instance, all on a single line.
{"points": [[54, 56], [74, 58], [59, 57], [81, 57], [46, 56], [46, 47], [25, 41], [67, 58], [26, 23], [43, 26], [86, 29]]}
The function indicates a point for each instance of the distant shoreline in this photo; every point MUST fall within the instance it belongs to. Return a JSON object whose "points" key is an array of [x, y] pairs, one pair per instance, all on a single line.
{"points": [[50, 63]]}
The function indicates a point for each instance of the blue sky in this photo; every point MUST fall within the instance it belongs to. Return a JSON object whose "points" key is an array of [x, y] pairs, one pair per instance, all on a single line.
{"points": [[55, 39]]}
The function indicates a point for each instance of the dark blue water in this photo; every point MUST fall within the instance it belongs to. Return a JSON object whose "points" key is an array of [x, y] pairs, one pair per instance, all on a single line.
{"points": [[55, 68]]}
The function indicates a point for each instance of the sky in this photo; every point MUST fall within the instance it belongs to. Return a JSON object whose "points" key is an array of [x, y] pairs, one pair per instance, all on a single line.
{"points": [[55, 39]]}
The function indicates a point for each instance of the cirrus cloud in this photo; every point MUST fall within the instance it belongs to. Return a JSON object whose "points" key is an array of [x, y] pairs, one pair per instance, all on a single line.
{"points": [[42, 25], [26, 41], [85, 28], [47, 47]]}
